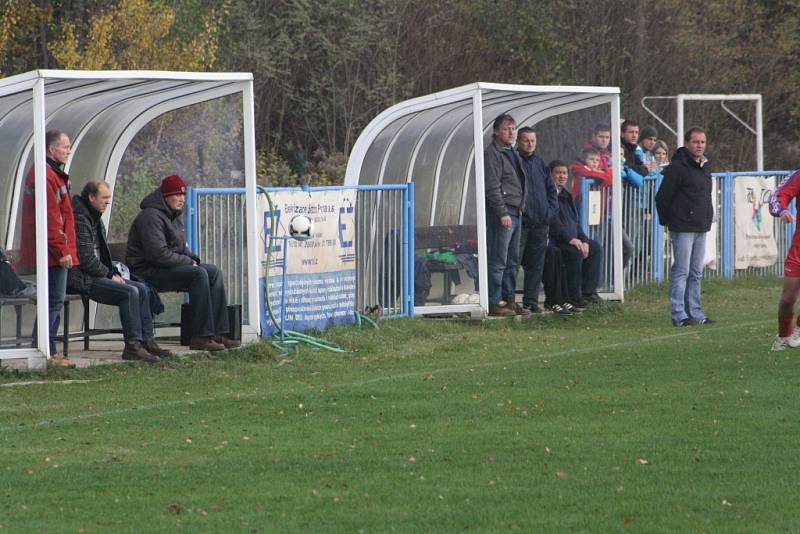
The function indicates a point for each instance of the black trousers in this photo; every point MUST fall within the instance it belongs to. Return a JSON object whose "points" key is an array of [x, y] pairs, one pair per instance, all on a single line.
{"points": [[532, 244], [554, 278], [583, 274], [206, 294]]}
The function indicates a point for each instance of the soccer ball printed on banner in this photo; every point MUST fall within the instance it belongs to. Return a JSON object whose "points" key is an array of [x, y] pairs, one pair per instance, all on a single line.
{"points": [[301, 227]]}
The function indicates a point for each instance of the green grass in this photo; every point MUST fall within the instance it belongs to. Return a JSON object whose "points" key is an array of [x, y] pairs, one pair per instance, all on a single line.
{"points": [[429, 425]]}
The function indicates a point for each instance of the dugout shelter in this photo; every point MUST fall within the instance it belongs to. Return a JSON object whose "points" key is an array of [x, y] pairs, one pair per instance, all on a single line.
{"points": [[431, 141], [101, 111]]}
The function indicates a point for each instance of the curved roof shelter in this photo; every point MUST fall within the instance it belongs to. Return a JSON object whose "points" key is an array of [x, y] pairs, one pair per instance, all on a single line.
{"points": [[102, 111], [431, 141]]}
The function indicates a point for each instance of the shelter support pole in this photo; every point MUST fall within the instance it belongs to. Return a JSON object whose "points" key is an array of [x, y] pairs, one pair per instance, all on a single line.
{"points": [[480, 203], [616, 200], [251, 206], [43, 295], [679, 122]]}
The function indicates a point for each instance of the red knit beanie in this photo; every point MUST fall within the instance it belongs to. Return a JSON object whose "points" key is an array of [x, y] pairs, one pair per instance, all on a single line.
{"points": [[173, 185]]}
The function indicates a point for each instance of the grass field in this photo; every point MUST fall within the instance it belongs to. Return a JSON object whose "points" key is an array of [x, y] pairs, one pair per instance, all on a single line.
{"points": [[610, 421]]}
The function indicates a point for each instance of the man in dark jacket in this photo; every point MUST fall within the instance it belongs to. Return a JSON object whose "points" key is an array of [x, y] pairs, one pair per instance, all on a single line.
{"points": [[582, 257], [96, 276], [505, 201], [684, 206], [158, 254], [541, 207]]}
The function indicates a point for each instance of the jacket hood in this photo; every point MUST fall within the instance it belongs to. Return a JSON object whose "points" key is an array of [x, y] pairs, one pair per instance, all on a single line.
{"points": [[683, 155], [155, 200]]}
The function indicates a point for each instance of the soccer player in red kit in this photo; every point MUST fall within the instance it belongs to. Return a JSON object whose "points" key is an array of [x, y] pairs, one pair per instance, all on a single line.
{"points": [[788, 190]]}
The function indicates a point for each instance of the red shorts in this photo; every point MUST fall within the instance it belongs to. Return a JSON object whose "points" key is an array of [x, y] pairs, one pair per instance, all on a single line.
{"points": [[791, 266]]}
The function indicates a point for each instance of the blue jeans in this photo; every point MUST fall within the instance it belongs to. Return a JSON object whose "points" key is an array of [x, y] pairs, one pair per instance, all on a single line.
{"points": [[57, 289], [133, 300], [688, 252], [502, 257]]}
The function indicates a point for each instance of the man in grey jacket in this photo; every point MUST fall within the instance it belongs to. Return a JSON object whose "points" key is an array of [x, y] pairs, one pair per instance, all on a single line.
{"points": [[504, 180], [158, 254]]}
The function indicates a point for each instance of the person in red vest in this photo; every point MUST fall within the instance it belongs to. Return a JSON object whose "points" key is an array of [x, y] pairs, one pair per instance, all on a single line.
{"points": [[62, 251]]}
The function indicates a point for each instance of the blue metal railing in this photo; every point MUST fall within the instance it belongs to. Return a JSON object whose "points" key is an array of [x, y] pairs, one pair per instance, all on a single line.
{"points": [[382, 210], [640, 220]]}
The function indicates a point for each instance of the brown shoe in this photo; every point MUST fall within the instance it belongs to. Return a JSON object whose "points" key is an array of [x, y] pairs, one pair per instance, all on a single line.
{"points": [[517, 309], [152, 347], [59, 360], [135, 351], [500, 310], [205, 343], [228, 342]]}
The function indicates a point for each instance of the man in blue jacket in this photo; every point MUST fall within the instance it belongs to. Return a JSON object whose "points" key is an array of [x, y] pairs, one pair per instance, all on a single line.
{"points": [[582, 257], [541, 207]]}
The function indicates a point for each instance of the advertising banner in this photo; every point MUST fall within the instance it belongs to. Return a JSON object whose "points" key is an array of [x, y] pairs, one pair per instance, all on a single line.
{"points": [[754, 241], [315, 277]]}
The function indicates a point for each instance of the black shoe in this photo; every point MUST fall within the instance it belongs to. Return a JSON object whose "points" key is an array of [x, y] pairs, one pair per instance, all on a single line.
{"points": [[578, 305], [683, 322], [570, 308], [594, 298], [704, 320], [135, 351], [152, 347], [533, 308], [561, 310]]}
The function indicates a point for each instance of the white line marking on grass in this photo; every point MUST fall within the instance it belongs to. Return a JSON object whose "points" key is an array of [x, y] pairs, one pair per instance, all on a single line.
{"points": [[581, 350], [46, 382]]}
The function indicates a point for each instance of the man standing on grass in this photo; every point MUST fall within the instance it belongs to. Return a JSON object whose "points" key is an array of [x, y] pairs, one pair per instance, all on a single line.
{"points": [[684, 206], [505, 203], [541, 207]]}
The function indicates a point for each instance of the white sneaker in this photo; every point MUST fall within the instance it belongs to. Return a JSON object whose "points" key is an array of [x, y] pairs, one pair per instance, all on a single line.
{"points": [[794, 340], [780, 343]]}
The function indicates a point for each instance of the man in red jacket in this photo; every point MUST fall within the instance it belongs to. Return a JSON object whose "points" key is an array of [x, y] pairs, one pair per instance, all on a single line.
{"points": [[61, 244]]}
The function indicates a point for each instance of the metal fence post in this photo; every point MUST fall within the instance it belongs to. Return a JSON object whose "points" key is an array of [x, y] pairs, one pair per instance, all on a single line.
{"points": [[408, 223], [727, 226], [657, 254]]}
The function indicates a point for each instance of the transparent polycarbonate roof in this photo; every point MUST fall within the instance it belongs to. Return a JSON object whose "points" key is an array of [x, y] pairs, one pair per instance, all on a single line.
{"points": [[430, 140], [101, 110]]}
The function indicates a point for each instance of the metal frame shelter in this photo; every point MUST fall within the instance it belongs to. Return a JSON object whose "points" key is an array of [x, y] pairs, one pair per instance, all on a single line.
{"points": [[431, 140], [102, 111], [680, 103]]}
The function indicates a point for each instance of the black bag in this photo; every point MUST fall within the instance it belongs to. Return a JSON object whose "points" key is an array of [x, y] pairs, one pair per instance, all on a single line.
{"points": [[11, 285], [234, 322]]}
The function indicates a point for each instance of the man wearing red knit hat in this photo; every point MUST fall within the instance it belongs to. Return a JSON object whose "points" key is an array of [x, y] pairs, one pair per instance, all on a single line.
{"points": [[157, 253]]}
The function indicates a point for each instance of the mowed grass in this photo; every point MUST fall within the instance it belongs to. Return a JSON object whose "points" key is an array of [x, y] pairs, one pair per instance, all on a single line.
{"points": [[610, 421]]}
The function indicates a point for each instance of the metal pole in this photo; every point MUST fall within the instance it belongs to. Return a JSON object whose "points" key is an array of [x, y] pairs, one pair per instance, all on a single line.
{"points": [[480, 207], [40, 203], [759, 135], [252, 225], [679, 122]]}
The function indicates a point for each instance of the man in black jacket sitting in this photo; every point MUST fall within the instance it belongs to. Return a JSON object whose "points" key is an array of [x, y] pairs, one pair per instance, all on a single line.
{"points": [[157, 253], [96, 276], [582, 257]]}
